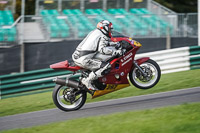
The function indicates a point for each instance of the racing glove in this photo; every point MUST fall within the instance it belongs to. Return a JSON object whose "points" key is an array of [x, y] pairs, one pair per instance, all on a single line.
{"points": [[119, 52], [118, 45]]}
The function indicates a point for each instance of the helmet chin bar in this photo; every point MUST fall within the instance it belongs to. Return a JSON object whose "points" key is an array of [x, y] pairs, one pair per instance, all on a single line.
{"points": [[110, 32]]}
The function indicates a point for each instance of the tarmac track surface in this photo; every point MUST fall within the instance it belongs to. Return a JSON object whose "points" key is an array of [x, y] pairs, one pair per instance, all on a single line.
{"points": [[100, 108]]}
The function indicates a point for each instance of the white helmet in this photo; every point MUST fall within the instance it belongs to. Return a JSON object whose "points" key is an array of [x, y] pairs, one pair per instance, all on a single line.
{"points": [[105, 27]]}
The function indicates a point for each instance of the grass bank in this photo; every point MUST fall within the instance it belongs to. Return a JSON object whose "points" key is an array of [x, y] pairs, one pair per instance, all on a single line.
{"points": [[35, 102], [178, 119]]}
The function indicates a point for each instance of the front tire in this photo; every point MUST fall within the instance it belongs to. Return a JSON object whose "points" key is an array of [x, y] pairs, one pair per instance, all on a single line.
{"points": [[152, 69], [65, 100]]}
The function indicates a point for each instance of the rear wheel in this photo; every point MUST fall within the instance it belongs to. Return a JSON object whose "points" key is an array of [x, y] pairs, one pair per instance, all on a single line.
{"points": [[66, 98], [152, 71]]}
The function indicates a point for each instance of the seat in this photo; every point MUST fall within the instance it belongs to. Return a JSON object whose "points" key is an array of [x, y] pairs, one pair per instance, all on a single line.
{"points": [[2, 32], [57, 27], [81, 22], [65, 65]]}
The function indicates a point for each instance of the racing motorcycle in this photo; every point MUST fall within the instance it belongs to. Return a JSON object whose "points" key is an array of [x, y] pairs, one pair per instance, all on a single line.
{"points": [[70, 94]]}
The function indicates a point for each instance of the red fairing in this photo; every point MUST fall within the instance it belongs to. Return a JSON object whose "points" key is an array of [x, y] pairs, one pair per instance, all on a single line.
{"points": [[142, 60], [117, 39], [65, 65], [120, 67], [127, 39]]}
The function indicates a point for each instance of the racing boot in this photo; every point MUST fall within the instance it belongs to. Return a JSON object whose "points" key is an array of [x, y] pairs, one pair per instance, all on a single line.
{"points": [[95, 75], [88, 81]]}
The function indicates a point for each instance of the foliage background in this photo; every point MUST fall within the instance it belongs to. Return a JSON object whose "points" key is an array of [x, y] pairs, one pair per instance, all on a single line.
{"points": [[179, 6]]}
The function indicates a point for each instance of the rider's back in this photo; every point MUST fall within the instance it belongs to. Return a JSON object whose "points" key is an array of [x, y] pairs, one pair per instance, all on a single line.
{"points": [[90, 43]]}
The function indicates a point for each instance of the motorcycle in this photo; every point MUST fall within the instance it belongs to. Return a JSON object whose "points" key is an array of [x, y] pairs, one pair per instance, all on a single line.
{"points": [[70, 94]]}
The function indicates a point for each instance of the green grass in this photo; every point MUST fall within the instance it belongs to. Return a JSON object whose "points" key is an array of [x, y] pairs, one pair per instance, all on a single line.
{"points": [[35, 102], [177, 119]]}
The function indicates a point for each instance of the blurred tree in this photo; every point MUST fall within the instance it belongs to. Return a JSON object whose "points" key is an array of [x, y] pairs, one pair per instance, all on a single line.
{"points": [[29, 7], [18, 9], [180, 6]]}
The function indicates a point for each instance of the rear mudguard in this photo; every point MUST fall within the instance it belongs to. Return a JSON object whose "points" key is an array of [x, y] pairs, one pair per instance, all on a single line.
{"points": [[65, 66], [142, 60]]}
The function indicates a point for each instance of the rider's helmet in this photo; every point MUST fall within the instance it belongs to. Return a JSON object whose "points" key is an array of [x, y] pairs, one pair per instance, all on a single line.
{"points": [[105, 27]]}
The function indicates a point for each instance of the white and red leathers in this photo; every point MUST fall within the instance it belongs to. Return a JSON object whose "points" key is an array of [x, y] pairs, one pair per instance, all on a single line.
{"points": [[95, 42]]}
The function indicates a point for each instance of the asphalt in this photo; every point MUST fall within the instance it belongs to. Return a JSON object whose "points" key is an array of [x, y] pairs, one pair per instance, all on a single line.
{"points": [[101, 108]]}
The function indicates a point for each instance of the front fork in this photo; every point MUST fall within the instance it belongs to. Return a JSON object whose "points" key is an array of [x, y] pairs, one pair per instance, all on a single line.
{"points": [[136, 65], [139, 62]]}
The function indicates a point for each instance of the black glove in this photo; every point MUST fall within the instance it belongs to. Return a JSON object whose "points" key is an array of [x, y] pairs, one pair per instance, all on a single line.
{"points": [[118, 45]]}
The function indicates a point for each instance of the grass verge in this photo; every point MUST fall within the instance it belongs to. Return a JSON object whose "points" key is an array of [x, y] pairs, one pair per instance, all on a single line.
{"points": [[35, 102], [177, 119]]}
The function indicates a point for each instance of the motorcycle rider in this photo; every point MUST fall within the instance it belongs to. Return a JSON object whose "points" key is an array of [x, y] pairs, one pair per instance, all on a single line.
{"points": [[96, 41]]}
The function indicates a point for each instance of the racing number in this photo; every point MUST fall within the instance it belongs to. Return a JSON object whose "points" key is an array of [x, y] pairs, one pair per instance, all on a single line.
{"points": [[110, 87]]}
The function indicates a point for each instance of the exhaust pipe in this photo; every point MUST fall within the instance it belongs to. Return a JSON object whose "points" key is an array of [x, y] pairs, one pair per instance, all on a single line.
{"points": [[68, 82]]}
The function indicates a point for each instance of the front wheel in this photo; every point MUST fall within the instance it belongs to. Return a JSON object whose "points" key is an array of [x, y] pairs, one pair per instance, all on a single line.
{"points": [[66, 98], [152, 71]]}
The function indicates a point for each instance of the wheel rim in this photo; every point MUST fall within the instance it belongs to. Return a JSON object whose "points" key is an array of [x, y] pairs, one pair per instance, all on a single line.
{"points": [[152, 79], [66, 104]]}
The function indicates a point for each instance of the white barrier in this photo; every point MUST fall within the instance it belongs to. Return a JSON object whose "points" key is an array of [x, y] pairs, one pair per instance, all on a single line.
{"points": [[172, 60]]}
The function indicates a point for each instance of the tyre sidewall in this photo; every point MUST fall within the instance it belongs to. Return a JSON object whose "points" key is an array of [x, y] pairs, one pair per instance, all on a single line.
{"points": [[146, 87], [55, 100]]}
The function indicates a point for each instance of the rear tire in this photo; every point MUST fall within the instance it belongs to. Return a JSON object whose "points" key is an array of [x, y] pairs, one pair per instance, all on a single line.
{"points": [[153, 71], [61, 98]]}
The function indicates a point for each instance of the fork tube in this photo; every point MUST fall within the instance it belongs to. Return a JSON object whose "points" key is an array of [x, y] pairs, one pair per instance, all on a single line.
{"points": [[143, 73]]}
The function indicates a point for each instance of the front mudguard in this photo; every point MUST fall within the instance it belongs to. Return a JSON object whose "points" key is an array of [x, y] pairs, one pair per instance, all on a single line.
{"points": [[142, 60]]}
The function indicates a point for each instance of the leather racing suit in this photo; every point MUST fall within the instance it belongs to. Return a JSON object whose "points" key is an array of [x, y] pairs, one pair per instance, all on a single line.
{"points": [[84, 54]]}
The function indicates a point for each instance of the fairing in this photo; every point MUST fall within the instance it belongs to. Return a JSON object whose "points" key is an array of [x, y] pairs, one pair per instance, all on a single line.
{"points": [[120, 67], [109, 88], [132, 42]]}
